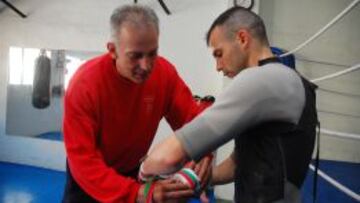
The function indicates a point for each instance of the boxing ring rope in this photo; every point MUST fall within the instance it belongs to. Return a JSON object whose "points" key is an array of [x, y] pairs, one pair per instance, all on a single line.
{"points": [[337, 134], [322, 30], [336, 184], [345, 94], [330, 76], [301, 58], [340, 134], [337, 74]]}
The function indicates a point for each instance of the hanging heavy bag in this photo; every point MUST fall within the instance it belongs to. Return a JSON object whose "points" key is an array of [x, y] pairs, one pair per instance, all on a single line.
{"points": [[41, 83]]}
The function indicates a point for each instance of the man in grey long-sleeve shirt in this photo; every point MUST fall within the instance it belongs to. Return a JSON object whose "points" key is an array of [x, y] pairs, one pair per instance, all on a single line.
{"points": [[268, 109]]}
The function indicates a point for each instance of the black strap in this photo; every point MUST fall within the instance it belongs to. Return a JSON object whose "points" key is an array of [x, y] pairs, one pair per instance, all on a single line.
{"points": [[316, 163], [269, 60]]}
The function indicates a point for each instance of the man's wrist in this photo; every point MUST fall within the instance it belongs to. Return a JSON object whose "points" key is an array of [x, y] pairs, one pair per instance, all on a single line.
{"points": [[146, 191], [140, 196]]}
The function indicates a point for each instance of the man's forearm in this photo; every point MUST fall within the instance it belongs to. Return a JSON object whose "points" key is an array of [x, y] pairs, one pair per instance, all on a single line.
{"points": [[165, 158], [224, 172]]}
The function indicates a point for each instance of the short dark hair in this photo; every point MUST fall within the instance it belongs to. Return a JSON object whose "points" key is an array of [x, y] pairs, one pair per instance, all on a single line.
{"points": [[239, 17]]}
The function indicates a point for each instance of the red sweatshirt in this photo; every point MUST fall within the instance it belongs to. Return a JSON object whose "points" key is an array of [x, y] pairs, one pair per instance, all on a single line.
{"points": [[110, 122]]}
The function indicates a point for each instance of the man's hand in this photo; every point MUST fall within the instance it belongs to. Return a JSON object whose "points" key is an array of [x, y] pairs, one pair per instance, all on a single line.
{"points": [[203, 170], [166, 191]]}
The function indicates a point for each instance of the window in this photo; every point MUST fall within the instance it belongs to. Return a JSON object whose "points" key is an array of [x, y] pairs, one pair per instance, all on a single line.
{"points": [[22, 65], [73, 63]]}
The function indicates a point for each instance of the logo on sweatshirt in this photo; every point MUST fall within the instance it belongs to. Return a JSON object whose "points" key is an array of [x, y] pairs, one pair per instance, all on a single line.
{"points": [[149, 104]]}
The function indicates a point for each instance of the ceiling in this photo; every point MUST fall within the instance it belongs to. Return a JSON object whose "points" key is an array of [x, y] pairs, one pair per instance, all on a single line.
{"points": [[4, 7]]}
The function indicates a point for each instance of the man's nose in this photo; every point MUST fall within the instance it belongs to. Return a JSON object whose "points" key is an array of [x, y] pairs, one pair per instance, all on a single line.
{"points": [[219, 66], [145, 63]]}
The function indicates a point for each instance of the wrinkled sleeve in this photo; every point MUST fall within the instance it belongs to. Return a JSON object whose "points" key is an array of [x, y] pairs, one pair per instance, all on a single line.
{"points": [[254, 96], [85, 160], [182, 106]]}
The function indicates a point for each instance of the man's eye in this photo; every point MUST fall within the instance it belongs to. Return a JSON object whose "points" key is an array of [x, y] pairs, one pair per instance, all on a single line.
{"points": [[217, 54], [152, 54], [135, 56]]}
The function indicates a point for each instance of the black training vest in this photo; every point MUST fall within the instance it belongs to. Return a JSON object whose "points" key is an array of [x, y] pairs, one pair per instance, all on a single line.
{"points": [[271, 153]]}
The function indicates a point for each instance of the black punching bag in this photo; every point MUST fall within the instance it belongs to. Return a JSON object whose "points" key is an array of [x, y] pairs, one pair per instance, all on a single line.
{"points": [[41, 83]]}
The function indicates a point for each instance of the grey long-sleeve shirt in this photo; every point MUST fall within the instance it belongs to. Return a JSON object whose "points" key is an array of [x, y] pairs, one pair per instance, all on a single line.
{"points": [[258, 94]]}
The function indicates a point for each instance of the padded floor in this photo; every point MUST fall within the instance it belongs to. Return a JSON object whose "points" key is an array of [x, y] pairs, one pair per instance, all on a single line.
{"points": [[25, 184], [347, 174]]}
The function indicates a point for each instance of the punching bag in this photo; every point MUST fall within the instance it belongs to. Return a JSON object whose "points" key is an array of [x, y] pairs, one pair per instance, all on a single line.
{"points": [[41, 83], [287, 60]]}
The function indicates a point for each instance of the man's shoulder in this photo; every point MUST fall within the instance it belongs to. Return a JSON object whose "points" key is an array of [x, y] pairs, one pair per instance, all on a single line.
{"points": [[274, 73], [272, 69], [89, 72], [269, 81], [164, 66], [92, 67], [164, 63]]}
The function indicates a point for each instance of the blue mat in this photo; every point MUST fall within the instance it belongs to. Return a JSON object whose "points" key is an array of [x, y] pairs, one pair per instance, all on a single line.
{"points": [[52, 136], [348, 174], [25, 184]]}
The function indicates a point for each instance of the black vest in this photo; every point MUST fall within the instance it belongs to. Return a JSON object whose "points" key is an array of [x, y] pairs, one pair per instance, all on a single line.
{"points": [[271, 153]]}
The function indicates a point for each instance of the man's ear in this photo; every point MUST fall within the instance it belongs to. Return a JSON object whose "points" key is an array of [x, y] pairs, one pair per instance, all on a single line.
{"points": [[111, 48], [243, 37]]}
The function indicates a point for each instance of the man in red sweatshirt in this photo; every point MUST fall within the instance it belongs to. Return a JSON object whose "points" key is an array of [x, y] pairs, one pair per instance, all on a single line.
{"points": [[113, 106]]}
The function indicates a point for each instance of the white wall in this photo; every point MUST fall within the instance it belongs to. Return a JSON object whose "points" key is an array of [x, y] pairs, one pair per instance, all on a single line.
{"points": [[83, 25], [290, 23]]}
